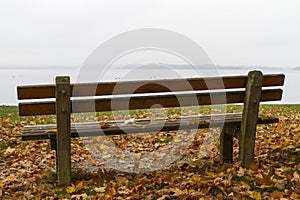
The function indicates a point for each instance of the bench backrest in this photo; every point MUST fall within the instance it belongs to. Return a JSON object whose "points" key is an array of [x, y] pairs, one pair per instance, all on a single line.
{"points": [[40, 99]]}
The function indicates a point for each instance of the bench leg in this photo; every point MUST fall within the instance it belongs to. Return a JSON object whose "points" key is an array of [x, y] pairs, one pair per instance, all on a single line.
{"points": [[226, 144], [53, 144], [250, 115], [247, 148]]}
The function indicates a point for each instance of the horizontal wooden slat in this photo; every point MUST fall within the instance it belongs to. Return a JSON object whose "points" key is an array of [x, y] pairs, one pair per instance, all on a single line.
{"points": [[149, 86], [142, 126], [143, 102]]}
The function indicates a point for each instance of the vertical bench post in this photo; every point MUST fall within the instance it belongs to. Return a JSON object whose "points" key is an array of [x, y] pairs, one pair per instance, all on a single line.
{"points": [[226, 144], [250, 115], [63, 138]]}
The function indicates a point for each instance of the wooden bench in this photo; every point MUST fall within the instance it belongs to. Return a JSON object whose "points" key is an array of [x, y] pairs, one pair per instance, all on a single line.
{"points": [[249, 89]]}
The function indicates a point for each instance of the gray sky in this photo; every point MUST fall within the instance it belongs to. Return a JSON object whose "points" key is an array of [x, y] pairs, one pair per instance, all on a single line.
{"points": [[65, 32]]}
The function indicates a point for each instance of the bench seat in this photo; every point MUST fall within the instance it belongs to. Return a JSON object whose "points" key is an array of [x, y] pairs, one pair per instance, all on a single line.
{"points": [[85, 129]]}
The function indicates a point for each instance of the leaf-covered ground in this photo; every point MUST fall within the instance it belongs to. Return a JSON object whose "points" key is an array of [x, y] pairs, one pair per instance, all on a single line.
{"points": [[27, 168]]}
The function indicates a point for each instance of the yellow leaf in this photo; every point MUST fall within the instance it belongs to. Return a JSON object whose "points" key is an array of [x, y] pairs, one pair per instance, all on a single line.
{"points": [[107, 196], [137, 156], [32, 123], [224, 182], [256, 195], [191, 191], [196, 178], [103, 147], [121, 181], [291, 147], [238, 164], [245, 185], [71, 189], [1, 184], [122, 156], [265, 186], [279, 174], [285, 169], [113, 191], [294, 196], [277, 147], [11, 177], [177, 192], [211, 174], [79, 186], [24, 152], [52, 131]]}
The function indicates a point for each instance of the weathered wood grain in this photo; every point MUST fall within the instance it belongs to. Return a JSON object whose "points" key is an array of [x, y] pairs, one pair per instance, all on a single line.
{"points": [[85, 129], [149, 86], [63, 136], [250, 115], [142, 102]]}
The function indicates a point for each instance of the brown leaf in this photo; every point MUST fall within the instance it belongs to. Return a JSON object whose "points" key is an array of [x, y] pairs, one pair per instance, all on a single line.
{"points": [[104, 125]]}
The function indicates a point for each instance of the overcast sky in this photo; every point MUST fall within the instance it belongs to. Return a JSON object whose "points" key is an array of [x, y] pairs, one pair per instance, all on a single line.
{"points": [[65, 32]]}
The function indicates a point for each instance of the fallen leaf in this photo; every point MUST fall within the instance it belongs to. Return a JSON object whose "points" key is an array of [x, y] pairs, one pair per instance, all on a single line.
{"points": [[265, 186], [71, 189], [100, 189], [52, 131], [296, 177], [277, 194], [79, 185], [104, 125], [241, 172], [256, 195]]}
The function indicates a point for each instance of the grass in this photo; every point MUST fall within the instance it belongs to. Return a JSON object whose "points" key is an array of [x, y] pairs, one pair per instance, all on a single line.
{"points": [[12, 112]]}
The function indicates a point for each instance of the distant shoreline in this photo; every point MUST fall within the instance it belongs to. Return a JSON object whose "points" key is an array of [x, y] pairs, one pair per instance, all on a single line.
{"points": [[150, 66]]}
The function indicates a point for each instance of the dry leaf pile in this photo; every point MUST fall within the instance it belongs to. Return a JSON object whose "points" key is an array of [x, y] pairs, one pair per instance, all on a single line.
{"points": [[27, 168]]}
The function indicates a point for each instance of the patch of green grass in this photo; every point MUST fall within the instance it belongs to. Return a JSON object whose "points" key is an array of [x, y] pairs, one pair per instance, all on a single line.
{"points": [[2, 147], [289, 154], [11, 112], [215, 191], [61, 192], [50, 176], [90, 192], [241, 179], [288, 185], [252, 186], [274, 151], [172, 198], [269, 189], [164, 141], [161, 186]]}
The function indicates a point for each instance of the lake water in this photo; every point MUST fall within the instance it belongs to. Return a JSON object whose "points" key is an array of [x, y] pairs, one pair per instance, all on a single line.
{"points": [[11, 78]]}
